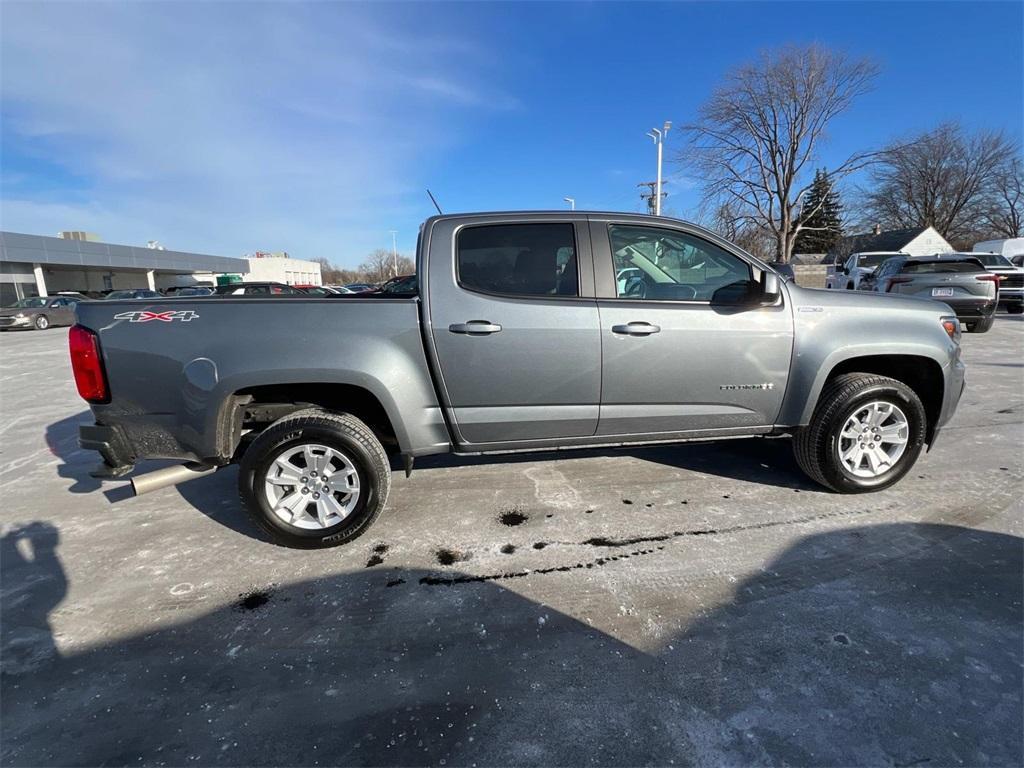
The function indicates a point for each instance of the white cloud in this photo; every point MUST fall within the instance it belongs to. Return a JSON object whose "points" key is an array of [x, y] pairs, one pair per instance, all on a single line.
{"points": [[225, 127]]}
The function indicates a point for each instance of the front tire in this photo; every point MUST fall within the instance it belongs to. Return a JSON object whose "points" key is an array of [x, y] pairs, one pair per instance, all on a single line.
{"points": [[42, 322], [315, 479], [866, 433], [1015, 309]]}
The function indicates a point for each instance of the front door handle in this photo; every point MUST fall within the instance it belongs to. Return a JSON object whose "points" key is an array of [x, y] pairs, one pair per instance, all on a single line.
{"points": [[636, 329], [475, 328]]}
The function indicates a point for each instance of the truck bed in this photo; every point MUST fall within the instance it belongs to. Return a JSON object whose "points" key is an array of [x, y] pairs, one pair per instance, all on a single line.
{"points": [[177, 367]]}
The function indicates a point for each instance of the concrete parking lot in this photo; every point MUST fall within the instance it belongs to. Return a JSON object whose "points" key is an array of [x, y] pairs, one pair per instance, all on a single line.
{"points": [[679, 605]]}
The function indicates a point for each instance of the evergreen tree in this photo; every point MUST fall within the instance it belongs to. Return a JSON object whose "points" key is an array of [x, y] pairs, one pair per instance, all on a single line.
{"points": [[824, 213]]}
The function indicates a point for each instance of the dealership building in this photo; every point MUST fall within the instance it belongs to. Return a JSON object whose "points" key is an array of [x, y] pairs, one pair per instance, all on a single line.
{"points": [[34, 265]]}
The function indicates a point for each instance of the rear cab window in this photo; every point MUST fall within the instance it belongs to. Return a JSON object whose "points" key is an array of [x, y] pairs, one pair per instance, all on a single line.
{"points": [[518, 259], [932, 267]]}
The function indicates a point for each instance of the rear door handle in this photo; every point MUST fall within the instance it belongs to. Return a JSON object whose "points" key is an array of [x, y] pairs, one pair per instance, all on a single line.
{"points": [[636, 329], [475, 328]]}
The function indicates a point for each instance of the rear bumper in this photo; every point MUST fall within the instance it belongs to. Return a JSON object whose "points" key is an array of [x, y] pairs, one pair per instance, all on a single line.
{"points": [[110, 442], [971, 309]]}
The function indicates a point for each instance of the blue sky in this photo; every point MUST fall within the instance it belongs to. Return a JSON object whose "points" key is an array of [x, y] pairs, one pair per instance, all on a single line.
{"points": [[314, 128]]}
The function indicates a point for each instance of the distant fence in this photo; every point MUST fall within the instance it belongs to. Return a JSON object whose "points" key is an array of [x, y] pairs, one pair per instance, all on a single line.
{"points": [[810, 275]]}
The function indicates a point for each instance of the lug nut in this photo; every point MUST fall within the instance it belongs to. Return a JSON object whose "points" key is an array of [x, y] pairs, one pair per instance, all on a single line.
{"points": [[305, 490], [316, 495], [305, 479]]}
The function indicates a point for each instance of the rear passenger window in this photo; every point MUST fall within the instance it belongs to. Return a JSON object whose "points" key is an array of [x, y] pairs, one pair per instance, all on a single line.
{"points": [[519, 259]]}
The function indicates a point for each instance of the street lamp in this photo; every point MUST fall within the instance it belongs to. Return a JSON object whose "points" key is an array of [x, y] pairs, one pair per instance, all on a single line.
{"points": [[659, 140], [571, 201], [394, 248]]}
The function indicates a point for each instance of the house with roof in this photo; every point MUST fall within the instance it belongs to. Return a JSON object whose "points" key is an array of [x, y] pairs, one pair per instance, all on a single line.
{"points": [[917, 241]]}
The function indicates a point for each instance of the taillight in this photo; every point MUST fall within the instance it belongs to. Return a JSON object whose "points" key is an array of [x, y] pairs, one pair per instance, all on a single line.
{"points": [[990, 278], [87, 365], [894, 280], [952, 326]]}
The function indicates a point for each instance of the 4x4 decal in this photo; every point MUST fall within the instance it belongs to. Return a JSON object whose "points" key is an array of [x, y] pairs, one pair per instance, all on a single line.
{"points": [[146, 316]]}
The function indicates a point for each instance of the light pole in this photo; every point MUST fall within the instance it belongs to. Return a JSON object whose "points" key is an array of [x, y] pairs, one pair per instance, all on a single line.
{"points": [[571, 201], [659, 140], [394, 248]]}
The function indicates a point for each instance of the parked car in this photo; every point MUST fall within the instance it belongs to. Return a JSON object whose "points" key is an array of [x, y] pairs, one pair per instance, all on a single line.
{"points": [[341, 289], [957, 280], [193, 290], [1011, 280], [848, 275], [258, 289], [518, 340], [404, 285], [39, 312], [322, 290], [361, 287], [133, 293], [188, 290], [76, 295]]}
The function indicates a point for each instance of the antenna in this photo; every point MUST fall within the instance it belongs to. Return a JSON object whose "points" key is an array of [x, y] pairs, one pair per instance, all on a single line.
{"points": [[435, 203]]}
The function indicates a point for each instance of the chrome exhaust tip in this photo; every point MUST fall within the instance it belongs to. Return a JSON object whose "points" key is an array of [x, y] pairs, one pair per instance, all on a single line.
{"points": [[161, 478]]}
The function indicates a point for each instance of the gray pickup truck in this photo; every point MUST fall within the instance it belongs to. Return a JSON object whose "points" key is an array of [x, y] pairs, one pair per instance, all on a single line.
{"points": [[527, 332]]}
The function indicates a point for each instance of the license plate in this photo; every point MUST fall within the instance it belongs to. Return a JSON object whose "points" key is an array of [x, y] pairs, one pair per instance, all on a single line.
{"points": [[942, 291]]}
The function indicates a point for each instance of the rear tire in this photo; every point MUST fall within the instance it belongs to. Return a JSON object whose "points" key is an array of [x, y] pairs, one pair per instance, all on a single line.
{"points": [[42, 322], [821, 445], [1015, 309], [340, 472], [983, 326]]}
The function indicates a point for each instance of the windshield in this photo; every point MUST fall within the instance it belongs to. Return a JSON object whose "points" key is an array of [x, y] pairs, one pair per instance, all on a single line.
{"points": [[35, 301], [872, 259], [993, 260]]}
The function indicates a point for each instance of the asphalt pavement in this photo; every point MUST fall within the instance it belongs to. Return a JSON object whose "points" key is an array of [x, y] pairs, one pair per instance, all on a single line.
{"points": [[696, 604]]}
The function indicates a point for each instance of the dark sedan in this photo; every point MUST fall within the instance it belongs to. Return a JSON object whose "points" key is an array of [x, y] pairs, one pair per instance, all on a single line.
{"points": [[133, 293]]}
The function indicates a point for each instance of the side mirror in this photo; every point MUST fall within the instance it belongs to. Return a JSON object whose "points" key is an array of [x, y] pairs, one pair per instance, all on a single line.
{"points": [[846, 270], [769, 287]]}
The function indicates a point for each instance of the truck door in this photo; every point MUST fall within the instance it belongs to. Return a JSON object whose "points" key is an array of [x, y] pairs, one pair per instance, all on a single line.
{"points": [[516, 342], [684, 348]]}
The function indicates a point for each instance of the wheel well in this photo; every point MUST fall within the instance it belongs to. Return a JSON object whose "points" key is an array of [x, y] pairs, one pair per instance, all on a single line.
{"points": [[265, 404], [921, 374]]}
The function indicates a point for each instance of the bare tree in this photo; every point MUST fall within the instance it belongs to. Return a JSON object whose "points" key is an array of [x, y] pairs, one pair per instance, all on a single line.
{"points": [[944, 179], [757, 139], [1005, 217], [378, 266], [735, 228]]}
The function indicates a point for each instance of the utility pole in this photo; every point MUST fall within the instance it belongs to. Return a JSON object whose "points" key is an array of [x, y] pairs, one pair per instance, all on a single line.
{"points": [[650, 196], [394, 249], [571, 201], [659, 140]]}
